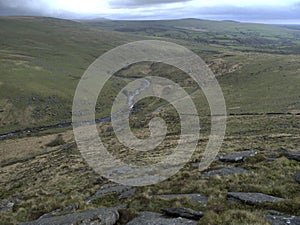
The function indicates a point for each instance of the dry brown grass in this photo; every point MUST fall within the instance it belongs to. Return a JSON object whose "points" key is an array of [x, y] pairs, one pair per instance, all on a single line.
{"points": [[36, 182], [19, 149]]}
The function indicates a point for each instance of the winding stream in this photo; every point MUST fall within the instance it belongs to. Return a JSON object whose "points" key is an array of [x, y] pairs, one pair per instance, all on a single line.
{"points": [[146, 85]]}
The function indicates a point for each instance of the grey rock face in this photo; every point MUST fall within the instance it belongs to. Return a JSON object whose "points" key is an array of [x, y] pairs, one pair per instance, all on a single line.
{"points": [[275, 213], [228, 170], [183, 212], [107, 216], [197, 198], [297, 176], [238, 157], [109, 189], [284, 220], [150, 218], [127, 194], [253, 198], [68, 209]]}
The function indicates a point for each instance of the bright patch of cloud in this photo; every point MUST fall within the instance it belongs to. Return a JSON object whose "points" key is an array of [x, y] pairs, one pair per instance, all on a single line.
{"points": [[248, 10]]}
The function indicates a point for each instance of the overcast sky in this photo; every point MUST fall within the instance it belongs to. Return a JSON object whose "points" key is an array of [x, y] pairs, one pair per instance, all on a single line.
{"points": [[266, 11]]}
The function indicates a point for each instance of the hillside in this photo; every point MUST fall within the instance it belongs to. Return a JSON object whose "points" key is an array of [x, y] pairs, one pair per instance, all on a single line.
{"points": [[230, 34], [41, 61], [254, 179], [255, 64]]}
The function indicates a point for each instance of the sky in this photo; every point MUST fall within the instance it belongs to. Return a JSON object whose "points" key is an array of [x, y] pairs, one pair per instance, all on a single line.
{"points": [[262, 11]]}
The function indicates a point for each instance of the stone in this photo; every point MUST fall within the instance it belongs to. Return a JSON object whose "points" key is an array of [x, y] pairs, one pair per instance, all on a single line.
{"points": [[253, 198], [297, 176], [228, 170], [274, 212], [293, 156], [237, 157], [151, 218], [184, 213], [195, 165], [197, 198], [6, 205], [109, 189], [127, 194], [105, 216], [99, 180], [68, 209], [283, 220]]}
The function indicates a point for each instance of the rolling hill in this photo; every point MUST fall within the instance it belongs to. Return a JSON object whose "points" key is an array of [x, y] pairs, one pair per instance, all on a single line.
{"points": [[45, 179], [42, 60], [230, 34]]}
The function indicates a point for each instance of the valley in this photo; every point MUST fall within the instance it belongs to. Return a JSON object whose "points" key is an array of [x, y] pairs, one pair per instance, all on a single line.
{"points": [[44, 177]]}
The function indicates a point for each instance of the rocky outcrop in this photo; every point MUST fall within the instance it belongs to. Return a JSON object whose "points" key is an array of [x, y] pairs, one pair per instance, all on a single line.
{"points": [[108, 189], [197, 198], [150, 218], [6, 205], [127, 194], [283, 220], [104, 216], [68, 209], [293, 156], [183, 212], [228, 170], [237, 157], [252, 198]]}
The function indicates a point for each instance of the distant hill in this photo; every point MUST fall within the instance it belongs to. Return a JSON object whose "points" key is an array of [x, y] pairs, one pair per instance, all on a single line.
{"points": [[292, 27], [231, 34]]}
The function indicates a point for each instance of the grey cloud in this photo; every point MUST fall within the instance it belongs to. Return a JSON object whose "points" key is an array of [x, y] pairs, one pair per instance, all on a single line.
{"points": [[249, 13], [141, 3], [143, 11], [217, 13], [17, 7], [32, 8]]}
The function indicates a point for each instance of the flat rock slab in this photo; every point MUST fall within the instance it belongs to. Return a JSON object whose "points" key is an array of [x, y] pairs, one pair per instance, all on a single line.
{"points": [[293, 156], [127, 194], [237, 157], [108, 216], [109, 189], [150, 218], [228, 170], [297, 176], [197, 198], [284, 220], [183, 212], [67, 210], [253, 198]]}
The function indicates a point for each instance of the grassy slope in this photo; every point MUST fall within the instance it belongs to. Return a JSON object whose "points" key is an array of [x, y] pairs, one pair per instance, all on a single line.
{"points": [[263, 82], [41, 61], [56, 180], [229, 34], [266, 58]]}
